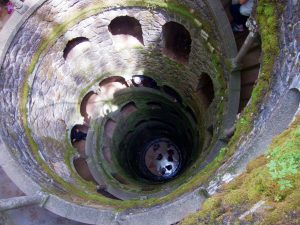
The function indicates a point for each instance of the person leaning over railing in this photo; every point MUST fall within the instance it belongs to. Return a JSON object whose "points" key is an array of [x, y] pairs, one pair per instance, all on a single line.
{"points": [[240, 11]]}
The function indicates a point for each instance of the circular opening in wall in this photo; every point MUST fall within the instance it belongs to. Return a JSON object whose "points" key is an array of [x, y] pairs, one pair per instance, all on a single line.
{"points": [[128, 109], [205, 89], [177, 42], [126, 31], [78, 133], [191, 113], [113, 79], [109, 128], [82, 169], [172, 93], [80, 147], [107, 154], [144, 81], [75, 47], [119, 178], [109, 86], [105, 193], [89, 107]]}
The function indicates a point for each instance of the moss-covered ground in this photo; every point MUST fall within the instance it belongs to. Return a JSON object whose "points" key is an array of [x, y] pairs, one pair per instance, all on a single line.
{"points": [[262, 181]]}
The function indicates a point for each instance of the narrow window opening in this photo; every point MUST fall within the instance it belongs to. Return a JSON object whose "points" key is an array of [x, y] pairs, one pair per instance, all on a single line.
{"points": [[78, 137], [143, 81], [109, 128], [191, 113], [107, 154], [177, 42], [110, 85], [172, 93], [112, 79], [128, 109], [107, 194], [82, 169], [127, 31], [205, 89], [79, 43], [119, 178], [78, 133], [89, 107]]}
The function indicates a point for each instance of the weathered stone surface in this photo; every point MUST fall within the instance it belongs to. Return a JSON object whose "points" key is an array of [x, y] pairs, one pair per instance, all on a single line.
{"points": [[280, 105], [55, 84]]}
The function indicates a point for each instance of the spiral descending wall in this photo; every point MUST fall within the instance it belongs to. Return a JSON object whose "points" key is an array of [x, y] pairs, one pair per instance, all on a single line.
{"points": [[147, 85]]}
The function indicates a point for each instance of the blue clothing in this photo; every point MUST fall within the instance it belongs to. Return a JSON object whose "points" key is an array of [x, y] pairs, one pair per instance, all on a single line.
{"points": [[246, 8], [238, 18]]}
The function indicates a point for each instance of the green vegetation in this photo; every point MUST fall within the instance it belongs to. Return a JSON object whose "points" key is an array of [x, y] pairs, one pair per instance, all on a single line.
{"points": [[258, 184], [219, 86], [273, 178], [267, 15], [284, 160]]}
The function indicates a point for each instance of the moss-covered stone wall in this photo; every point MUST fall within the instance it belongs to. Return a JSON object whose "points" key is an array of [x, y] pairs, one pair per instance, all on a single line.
{"points": [[42, 83]]}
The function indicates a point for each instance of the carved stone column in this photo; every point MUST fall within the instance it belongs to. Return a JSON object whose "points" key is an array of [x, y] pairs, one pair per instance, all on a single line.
{"points": [[253, 28]]}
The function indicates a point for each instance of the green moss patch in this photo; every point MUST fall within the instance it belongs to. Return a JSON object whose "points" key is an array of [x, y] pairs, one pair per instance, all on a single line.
{"points": [[282, 206], [267, 15]]}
